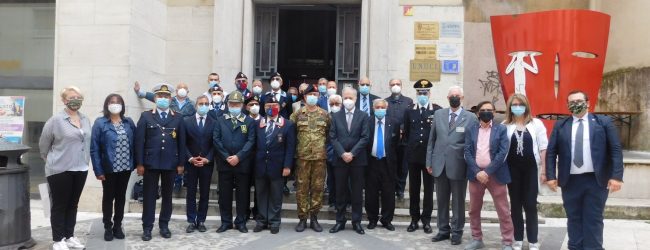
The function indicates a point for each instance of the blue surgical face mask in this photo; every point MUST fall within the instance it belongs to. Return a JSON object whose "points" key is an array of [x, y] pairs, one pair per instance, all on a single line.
{"points": [[162, 103], [234, 111], [294, 98], [364, 90], [322, 89], [423, 100], [518, 110], [203, 109], [380, 113], [312, 100], [213, 83]]}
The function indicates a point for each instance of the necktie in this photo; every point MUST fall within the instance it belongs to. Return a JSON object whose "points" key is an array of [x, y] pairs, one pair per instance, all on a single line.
{"points": [[269, 131], [349, 120], [234, 122], [201, 122], [364, 106], [452, 121], [577, 150], [380, 141], [422, 110], [164, 115]]}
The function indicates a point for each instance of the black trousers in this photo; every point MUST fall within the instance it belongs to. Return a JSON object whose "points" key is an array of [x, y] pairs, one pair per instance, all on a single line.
{"points": [[331, 184], [150, 191], [240, 182], [201, 177], [65, 190], [523, 194], [114, 195], [349, 186], [402, 170], [445, 190], [380, 182], [418, 174], [269, 200]]}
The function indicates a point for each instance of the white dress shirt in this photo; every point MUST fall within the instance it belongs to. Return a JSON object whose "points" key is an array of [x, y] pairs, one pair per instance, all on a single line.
{"points": [[374, 137], [588, 165], [198, 119], [457, 112]]}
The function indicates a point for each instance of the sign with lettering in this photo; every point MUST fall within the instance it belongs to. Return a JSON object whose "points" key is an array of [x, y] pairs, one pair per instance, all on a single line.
{"points": [[424, 69], [425, 51], [427, 30]]}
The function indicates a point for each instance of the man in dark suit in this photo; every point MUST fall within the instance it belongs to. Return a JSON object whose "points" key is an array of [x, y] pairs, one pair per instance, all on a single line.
{"points": [[365, 99], [280, 96], [159, 144], [322, 89], [381, 171], [241, 85], [199, 158], [397, 106], [445, 162], [276, 145], [417, 125], [349, 136], [589, 164], [234, 139]]}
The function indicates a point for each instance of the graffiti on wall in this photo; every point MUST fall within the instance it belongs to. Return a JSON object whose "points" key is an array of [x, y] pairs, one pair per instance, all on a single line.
{"points": [[491, 85]]}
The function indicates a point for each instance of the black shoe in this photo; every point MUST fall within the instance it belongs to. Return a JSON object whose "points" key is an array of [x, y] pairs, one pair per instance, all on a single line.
{"points": [[118, 233], [190, 228], [440, 237], [275, 230], [338, 227], [456, 239], [427, 228], [400, 196], [224, 228], [108, 234], [146, 235], [302, 224], [201, 227], [286, 190], [259, 227], [388, 226], [412, 227], [313, 224], [242, 228], [372, 225], [165, 233], [358, 228]]}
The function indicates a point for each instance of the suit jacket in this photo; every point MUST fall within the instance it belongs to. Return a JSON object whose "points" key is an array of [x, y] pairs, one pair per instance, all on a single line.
{"points": [[279, 153], [446, 147], [159, 144], [391, 140], [285, 103], [198, 142], [606, 153], [498, 167], [232, 139], [215, 113], [354, 140], [371, 98], [417, 127]]}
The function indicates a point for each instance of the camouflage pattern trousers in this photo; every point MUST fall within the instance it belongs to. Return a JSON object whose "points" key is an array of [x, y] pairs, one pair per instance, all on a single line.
{"points": [[310, 179]]}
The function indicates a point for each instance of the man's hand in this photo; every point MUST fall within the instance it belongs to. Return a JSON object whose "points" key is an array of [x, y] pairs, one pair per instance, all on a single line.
{"points": [[542, 177], [180, 169], [101, 177], [233, 160], [196, 161], [286, 172], [348, 157], [140, 170], [430, 170], [614, 185], [136, 87], [482, 177], [204, 161], [552, 184]]}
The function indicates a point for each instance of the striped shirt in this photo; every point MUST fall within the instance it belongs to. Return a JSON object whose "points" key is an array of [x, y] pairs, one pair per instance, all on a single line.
{"points": [[63, 146]]}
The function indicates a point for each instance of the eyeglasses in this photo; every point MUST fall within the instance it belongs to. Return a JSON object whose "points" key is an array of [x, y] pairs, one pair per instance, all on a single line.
{"points": [[276, 78], [518, 105], [364, 84]]}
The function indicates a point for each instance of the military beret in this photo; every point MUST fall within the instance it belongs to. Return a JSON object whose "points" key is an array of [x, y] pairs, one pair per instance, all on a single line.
{"points": [[215, 88], [276, 74], [270, 98], [241, 75], [253, 98], [310, 88]]}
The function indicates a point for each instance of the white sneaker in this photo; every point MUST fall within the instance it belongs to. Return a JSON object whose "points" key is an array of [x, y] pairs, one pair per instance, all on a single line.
{"points": [[60, 245], [533, 246], [517, 245], [73, 242]]}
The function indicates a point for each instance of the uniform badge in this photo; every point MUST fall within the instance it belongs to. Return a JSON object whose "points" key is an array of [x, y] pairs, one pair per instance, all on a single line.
{"points": [[244, 129], [280, 138], [174, 134]]}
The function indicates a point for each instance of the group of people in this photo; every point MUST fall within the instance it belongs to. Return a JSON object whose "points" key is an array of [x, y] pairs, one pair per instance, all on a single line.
{"points": [[357, 145]]}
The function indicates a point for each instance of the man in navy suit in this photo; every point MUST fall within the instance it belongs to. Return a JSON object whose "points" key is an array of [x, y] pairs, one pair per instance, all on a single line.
{"points": [[349, 136], [365, 99], [159, 145], [276, 145], [589, 164], [280, 96], [199, 161], [234, 139]]}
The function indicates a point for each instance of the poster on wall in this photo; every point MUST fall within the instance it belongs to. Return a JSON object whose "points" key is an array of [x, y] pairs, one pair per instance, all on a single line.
{"points": [[425, 51], [424, 69], [447, 50], [451, 29], [12, 118], [427, 30], [450, 67]]}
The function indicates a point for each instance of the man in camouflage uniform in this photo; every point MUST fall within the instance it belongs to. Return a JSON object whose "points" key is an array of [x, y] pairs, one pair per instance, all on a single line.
{"points": [[312, 125]]}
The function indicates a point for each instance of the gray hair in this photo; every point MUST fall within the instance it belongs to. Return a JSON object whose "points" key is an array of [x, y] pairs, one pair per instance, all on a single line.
{"points": [[351, 89], [335, 97], [456, 87], [202, 97], [395, 79], [322, 79], [378, 101]]}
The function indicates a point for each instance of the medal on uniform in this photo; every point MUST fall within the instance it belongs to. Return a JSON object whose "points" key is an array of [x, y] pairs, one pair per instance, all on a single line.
{"points": [[174, 134], [279, 137], [244, 129]]}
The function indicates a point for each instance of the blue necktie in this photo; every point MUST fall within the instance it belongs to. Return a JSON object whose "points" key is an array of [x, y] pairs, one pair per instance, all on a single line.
{"points": [[269, 132], [577, 150], [164, 115], [201, 122], [380, 141], [364, 107]]}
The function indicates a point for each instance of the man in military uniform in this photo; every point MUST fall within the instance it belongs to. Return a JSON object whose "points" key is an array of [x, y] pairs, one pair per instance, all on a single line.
{"points": [[158, 146], [312, 124], [217, 105], [180, 103], [241, 83], [417, 124], [397, 106], [234, 139], [280, 96]]}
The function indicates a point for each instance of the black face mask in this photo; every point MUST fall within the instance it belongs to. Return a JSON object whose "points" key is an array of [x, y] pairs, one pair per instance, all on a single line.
{"points": [[485, 116], [454, 101]]}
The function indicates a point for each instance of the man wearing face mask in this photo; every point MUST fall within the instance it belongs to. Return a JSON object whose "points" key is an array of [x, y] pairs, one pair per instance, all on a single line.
{"points": [[312, 124], [336, 101], [322, 90], [280, 96], [257, 88], [445, 162], [234, 139], [299, 102], [331, 89], [159, 146], [397, 106], [180, 103], [241, 84], [253, 109], [417, 124], [365, 99], [213, 81], [217, 106]]}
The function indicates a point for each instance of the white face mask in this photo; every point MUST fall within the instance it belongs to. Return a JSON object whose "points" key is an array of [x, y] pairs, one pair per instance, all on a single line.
{"points": [[115, 108], [216, 98], [348, 103], [396, 89], [331, 91], [182, 92], [275, 84], [255, 109], [335, 109], [257, 90]]}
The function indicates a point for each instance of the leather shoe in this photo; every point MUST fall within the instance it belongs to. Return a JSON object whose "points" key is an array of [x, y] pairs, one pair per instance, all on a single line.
{"points": [[338, 227], [358, 228], [190, 228], [146, 235], [201, 227], [165, 233], [108, 234], [118, 233], [275, 230], [427, 228], [412, 227], [224, 228], [372, 225], [258, 228], [440, 237], [456, 240], [314, 224], [242, 228], [388, 226], [302, 224]]}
